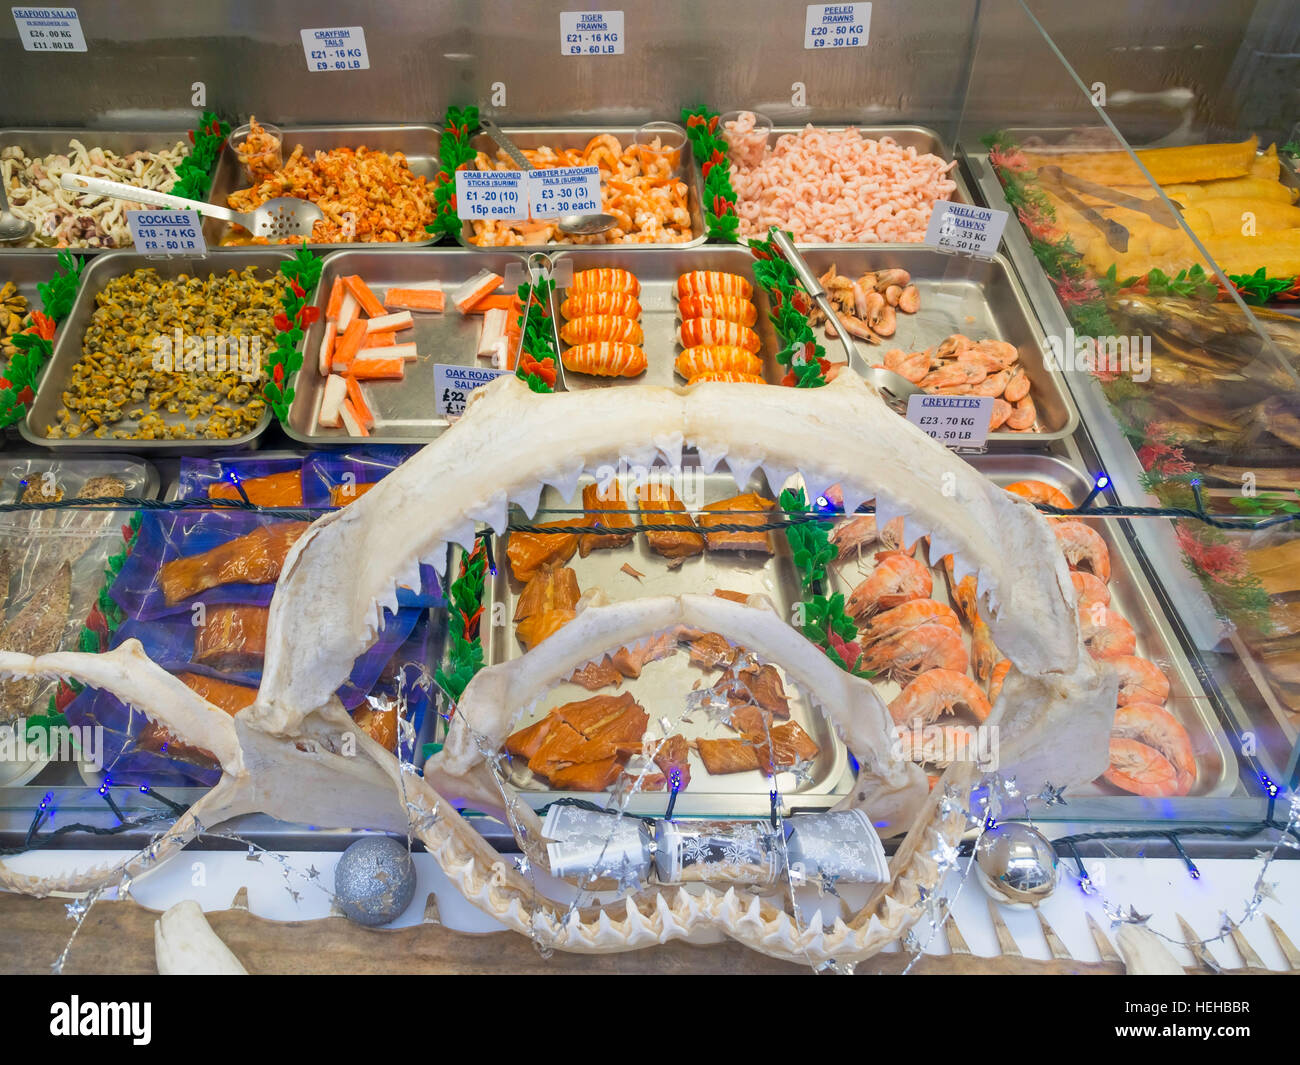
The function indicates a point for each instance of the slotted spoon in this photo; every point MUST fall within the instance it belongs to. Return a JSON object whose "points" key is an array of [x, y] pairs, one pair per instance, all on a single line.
{"points": [[285, 216]]}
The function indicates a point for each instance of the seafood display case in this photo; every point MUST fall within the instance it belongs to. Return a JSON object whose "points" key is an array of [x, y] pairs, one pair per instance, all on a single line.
{"points": [[1106, 240]]}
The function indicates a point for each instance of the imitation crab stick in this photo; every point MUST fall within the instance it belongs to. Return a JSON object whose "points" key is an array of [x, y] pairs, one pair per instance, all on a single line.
{"points": [[496, 301], [336, 391], [378, 340], [377, 370], [473, 290], [358, 403], [325, 357], [349, 344], [352, 421], [403, 352], [431, 300], [347, 311], [335, 303], [494, 329], [369, 302], [390, 323]]}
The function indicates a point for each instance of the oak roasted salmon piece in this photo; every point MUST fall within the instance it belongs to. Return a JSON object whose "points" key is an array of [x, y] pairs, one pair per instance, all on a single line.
{"points": [[252, 559], [790, 745], [673, 756], [752, 509], [274, 490], [727, 755], [660, 506], [529, 551], [605, 507]]}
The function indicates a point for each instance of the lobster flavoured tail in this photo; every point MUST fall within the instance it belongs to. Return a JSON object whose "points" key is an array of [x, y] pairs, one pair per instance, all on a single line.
{"points": [[709, 358], [601, 301], [605, 279], [605, 359], [713, 283], [730, 308], [716, 331], [595, 327]]}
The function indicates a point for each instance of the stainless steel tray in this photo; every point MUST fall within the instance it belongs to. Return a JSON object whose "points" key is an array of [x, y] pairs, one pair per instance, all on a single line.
{"points": [[982, 299], [405, 410], [657, 269], [922, 138], [664, 684], [560, 137], [68, 348], [418, 143], [1131, 597], [42, 142]]}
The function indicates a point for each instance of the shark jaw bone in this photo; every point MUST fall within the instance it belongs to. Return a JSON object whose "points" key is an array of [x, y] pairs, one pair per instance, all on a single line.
{"points": [[280, 755]]}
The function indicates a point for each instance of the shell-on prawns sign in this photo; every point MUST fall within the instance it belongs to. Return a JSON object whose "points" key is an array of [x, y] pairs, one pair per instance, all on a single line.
{"points": [[282, 755]]}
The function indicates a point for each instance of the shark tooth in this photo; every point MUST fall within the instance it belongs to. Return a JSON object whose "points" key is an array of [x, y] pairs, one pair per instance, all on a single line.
{"points": [[742, 468]]}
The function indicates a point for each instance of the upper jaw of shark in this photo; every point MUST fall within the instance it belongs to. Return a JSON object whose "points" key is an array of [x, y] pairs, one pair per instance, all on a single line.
{"points": [[279, 754]]}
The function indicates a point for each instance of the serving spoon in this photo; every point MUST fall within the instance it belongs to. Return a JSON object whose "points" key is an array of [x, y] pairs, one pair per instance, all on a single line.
{"points": [[893, 385], [575, 225], [12, 228], [284, 216]]}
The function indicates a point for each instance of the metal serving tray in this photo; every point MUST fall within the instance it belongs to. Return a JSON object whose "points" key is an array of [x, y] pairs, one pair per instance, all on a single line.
{"points": [[42, 142], [418, 143], [405, 411], [1130, 597], [982, 299], [560, 137], [664, 684], [658, 269], [68, 349], [922, 138]]}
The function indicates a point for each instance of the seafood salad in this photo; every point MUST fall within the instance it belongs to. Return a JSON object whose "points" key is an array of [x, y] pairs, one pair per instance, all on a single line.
{"points": [[639, 185], [833, 186], [74, 220], [949, 672], [121, 390], [365, 196]]}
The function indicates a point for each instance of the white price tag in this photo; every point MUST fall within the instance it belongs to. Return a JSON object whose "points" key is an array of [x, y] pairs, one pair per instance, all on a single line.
{"points": [[564, 190], [837, 25], [591, 32], [499, 194], [167, 232], [966, 228], [49, 29], [335, 48], [958, 421], [453, 384]]}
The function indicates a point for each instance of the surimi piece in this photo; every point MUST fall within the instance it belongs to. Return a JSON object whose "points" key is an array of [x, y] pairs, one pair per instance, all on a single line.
{"points": [[712, 283], [351, 422], [605, 279], [325, 357], [368, 300], [431, 300], [494, 328], [358, 403], [377, 370], [473, 290], [390, 323], [347, 311], [718, 332], [336, 391], [404, 352], [378, 340], [335, 304], [493, 301], [347, 346]]}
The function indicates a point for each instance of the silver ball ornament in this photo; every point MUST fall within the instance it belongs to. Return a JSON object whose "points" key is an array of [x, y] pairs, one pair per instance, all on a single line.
{"points": [[374, 880], [1016, 865]]}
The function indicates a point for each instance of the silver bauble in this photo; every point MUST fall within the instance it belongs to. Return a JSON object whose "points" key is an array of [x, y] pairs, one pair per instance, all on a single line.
{"points": [[1016, 865], [374, 880]]}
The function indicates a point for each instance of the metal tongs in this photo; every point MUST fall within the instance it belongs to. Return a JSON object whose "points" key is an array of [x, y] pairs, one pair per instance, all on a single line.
{"points": [[1116, 234], [895, 388], [541, 266]]}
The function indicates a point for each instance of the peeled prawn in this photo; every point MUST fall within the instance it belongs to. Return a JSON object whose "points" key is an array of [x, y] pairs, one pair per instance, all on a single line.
{"points": [[936, 692]]}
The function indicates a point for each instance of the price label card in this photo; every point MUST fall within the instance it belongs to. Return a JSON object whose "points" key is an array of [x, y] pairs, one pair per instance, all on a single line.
{"points": [[167, 232], [453, 384], [500, 194], [336, 48], [966, 228], [591, 32], [49, 29], [837, 25], [564, 190], [958, 421]]}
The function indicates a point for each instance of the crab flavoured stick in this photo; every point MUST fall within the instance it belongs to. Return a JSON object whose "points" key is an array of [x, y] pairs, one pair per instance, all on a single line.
{"points": [[483, 283]]}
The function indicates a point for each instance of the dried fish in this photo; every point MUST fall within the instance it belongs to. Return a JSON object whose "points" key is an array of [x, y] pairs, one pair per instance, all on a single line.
{"points": [[37, 630]]}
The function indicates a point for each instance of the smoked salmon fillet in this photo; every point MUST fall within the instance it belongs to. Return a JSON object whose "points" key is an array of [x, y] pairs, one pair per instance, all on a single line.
{"points": [[252, 559]]}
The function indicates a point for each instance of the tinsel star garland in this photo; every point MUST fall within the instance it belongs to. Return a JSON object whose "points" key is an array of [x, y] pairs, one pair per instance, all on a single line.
{"points": [[302, 275], [35, 343]]}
